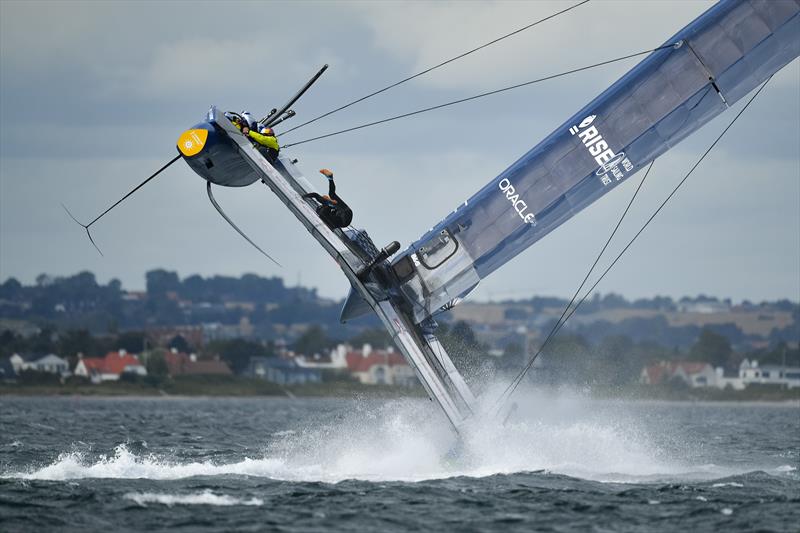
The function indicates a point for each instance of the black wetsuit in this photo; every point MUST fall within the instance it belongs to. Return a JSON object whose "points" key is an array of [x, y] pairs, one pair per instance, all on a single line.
{"points": [[336, 213]]}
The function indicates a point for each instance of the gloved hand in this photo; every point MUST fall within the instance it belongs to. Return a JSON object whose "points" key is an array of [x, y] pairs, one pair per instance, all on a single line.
{"points": [[327, 173]]}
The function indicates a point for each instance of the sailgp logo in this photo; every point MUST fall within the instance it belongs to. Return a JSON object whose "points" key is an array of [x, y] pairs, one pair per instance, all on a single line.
{"points": [[520, 206], [609, 167], [604, 156], [584, 124]]}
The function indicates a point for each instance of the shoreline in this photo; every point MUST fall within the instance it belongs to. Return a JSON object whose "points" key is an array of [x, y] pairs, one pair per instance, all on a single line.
{"points": [[247, 388], [230, 388], [788, 403]]}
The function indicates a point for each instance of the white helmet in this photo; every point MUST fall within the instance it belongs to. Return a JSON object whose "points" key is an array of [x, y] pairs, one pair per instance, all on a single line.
{"points": [[249, 120]]}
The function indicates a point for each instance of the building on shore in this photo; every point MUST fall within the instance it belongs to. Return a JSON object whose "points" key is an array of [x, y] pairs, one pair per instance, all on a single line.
{"points": [[692, 373], [368, 365], [380, 367], [183, 364], [335, 360], [699, 374], [751, 372], [50, 364], [109, 368], [282, 371]]}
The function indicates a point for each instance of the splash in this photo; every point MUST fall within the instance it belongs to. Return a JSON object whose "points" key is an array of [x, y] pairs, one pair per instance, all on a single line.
{"points": [[409, 441], [199, 498], [124, 464]]}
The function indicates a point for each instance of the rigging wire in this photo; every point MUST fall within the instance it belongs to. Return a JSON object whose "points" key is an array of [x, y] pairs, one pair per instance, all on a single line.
{"points": [[475, 97], [518, 379], [510, 389], [443, 63]]}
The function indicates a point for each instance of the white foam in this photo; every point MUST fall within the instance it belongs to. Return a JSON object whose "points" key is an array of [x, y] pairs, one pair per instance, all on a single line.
{"points": [[729, 484], [125, 465], [727, 511], [199, 498], [409, 441]]}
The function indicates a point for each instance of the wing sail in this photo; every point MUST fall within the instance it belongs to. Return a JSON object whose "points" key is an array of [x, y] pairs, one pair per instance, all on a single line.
{"points": [[709, 65]]}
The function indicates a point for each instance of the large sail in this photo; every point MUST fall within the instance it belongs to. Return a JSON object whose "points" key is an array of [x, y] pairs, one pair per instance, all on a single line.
{"points": [[706, 67]]}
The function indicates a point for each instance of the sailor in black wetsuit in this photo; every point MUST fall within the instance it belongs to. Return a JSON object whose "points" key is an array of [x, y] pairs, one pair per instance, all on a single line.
{"points": [[332, 209]]}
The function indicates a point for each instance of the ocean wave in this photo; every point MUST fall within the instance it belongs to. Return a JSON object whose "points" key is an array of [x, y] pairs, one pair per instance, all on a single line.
{"points": [[407, 441], [124, 464], [199, 498]]}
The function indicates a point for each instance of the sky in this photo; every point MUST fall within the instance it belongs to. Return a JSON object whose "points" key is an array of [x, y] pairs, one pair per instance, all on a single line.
{"points": [[95, 103]]}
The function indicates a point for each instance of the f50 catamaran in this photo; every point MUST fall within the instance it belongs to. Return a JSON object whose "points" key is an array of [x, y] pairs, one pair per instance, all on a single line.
{"points": [[696, 75]]}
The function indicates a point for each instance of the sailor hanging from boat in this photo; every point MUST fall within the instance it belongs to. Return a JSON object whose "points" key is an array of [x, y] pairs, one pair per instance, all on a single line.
{"points": [[332, 209]]}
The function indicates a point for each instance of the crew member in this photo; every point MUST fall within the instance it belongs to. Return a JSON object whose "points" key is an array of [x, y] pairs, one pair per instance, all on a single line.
{"points": [[332, 209], [267, 142], [264, 138]]}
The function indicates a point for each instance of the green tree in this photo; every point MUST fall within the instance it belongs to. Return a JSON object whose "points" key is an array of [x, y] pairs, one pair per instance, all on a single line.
{"points": [[615, 362], [179, 343], [712, 348], [568, 359], [11, 343], [237, 352], [131, 341], [780, 354], [160, 281], [11, 289], [313, 340], [43, 342], [73, 342], [156, 365], [376, 337]]}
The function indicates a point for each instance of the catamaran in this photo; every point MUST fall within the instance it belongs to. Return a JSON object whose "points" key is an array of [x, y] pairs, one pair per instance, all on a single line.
{"points": [[697, 74]]}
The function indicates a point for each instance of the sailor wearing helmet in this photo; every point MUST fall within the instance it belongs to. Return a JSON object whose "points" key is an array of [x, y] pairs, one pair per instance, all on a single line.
{"points": [[263, 137]]}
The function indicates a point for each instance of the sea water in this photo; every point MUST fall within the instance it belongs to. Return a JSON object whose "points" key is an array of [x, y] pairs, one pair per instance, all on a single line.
{"points": [[564, 462]]}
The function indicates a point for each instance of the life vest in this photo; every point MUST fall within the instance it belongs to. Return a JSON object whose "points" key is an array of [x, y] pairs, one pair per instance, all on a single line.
{"points": [[268, 141]]}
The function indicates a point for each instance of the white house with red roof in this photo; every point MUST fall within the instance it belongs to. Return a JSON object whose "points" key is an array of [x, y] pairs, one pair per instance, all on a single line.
{"points": [[110, 367], [370, 366], [90, 368], [179, 363], [693, 373], [335, 360], [380, 367], [697, 374]]}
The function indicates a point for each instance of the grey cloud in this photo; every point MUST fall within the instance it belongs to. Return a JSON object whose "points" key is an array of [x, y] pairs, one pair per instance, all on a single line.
{"points": [[103, 85]]}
